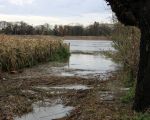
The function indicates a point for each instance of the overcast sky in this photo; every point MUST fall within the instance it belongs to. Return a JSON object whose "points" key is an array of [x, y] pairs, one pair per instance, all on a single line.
{"points": [[55, 11]]}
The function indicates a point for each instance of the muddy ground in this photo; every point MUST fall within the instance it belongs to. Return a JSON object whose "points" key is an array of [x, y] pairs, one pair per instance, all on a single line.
{"points": [[100, 102]]}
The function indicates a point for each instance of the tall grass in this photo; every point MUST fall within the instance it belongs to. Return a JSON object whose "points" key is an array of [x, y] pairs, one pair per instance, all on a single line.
{"points": [[17, 52], [126, 43]]}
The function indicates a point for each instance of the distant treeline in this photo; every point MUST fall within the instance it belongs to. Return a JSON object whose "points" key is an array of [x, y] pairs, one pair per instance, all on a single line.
{"points": [[22, 28]]}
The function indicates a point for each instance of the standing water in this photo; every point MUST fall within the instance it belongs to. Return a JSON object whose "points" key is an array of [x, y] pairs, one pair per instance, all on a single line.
{"points": [[90, 45], [47, 111], [86, 59]]}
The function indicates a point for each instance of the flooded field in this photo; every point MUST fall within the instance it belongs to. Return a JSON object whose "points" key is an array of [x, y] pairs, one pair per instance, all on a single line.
{"points": [[86, 58], [80, 85], [85, 61], [89, 45]]}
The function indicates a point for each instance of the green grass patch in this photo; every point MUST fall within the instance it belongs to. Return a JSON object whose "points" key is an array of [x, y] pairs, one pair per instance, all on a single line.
{"points": [[129, 97]]}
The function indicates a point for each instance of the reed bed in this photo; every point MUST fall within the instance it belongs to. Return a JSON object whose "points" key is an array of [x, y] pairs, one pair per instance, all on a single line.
{"points": [[18, 52]]}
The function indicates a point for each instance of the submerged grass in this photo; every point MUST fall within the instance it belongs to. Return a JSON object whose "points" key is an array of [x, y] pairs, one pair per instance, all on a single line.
{"points": [[18, 52]]}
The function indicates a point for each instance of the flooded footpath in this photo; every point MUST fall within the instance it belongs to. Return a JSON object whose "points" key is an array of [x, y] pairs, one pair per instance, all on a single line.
{"points": [[81, 88]]}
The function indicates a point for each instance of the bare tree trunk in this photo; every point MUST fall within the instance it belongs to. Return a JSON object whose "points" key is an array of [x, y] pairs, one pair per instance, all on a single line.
{"points": [[142, 95]]}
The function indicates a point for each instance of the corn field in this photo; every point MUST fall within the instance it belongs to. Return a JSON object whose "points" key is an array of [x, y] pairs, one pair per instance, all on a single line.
{"points": [[18, 52]]}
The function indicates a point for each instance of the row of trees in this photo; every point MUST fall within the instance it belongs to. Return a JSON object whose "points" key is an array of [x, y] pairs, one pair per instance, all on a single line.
{"points": [[21, 28]]}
